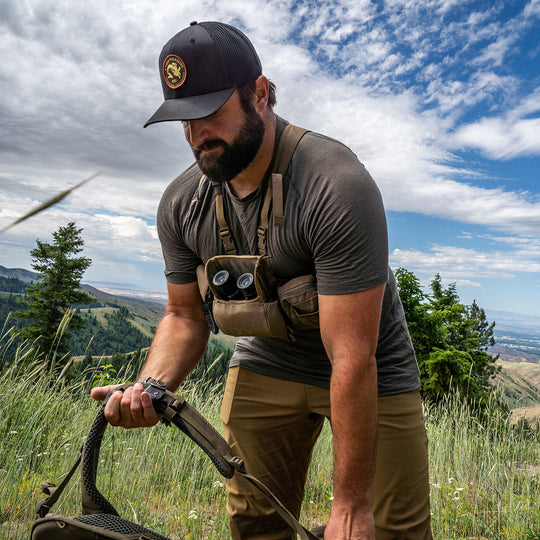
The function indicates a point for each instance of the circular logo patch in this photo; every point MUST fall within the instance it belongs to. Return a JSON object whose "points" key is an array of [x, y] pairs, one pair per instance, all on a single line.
{"points": [[174, 71]]}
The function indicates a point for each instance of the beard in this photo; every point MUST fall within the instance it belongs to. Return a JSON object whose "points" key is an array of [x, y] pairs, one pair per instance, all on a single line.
{"points": [[236, 156]]}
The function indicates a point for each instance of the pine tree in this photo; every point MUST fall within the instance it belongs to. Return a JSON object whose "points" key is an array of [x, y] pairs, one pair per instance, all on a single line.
{"points": [[57, 289], [450, 340]]}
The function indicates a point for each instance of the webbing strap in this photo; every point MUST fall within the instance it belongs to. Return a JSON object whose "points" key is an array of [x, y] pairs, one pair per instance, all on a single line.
{"points": [[291, 521], [193, 424], [287, 144], [175, 410], [54, 492], [224, 231], [277, 188]]}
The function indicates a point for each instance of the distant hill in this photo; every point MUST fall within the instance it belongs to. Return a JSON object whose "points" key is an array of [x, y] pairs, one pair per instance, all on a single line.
{"points": [[520, 387], [114, 324], [19, 273], [122, 324], [148, 313]]}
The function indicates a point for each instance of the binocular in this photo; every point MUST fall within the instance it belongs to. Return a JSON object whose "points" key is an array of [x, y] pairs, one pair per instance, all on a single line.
{"points": [[228, 288]]}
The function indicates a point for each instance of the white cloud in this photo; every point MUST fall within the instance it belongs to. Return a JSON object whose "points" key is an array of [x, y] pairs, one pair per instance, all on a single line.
{"points": [[495, 52], [390, 79], [458, 263], [500, 138], [532, 9], [513, 134]]}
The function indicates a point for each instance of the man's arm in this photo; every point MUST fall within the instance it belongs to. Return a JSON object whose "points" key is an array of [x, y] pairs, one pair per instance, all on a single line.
{"points": [[349, 329], [178, 345]]}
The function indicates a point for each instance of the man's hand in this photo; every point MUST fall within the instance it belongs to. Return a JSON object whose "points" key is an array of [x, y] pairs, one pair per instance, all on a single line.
{"points": [[346, 524], [132, 408]]}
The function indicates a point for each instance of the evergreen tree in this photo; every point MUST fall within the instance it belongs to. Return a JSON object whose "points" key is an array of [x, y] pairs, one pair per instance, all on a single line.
{"points": [[450, 340], [47, 301]]}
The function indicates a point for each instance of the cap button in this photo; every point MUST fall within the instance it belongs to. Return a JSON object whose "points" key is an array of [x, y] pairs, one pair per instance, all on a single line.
{"points": [[192, 23]]}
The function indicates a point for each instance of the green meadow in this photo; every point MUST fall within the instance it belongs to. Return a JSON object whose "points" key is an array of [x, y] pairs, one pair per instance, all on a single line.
{"points": [[485, 475]]}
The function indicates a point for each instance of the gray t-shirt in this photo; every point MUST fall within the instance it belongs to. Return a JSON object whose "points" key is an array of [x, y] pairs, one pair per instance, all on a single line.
{"points": [[334, 227]]}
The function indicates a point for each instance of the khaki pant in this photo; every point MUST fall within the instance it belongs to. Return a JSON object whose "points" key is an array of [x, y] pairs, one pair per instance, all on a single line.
{"points": [[273, 425]]}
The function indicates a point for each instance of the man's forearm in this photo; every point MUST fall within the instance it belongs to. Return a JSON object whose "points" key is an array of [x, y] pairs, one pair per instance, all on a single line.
{"points": [[353, 399], [349, 329], [177, 347]]}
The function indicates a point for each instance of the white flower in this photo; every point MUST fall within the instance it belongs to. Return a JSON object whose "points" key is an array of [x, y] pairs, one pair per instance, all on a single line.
{"points": [[217, 484], [193, 514]]}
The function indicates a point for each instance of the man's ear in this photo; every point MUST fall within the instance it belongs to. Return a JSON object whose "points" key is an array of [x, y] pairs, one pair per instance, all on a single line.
{"points": [[261, 94]]}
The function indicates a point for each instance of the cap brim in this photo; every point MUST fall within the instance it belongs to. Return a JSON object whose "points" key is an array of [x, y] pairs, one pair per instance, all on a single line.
{"points": [[190, 107]]}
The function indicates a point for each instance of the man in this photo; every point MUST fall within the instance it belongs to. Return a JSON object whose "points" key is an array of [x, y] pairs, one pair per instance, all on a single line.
{"points": [[358, 369]]}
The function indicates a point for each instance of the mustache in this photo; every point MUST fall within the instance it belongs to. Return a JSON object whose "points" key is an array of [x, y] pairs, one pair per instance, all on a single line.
{"points": [[209, 145]]}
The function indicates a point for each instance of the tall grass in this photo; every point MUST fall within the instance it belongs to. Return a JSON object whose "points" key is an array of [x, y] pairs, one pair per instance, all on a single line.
{"points": [[484, 477]]}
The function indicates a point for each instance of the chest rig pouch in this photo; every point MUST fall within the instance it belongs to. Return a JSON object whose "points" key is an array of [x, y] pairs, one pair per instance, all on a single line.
{"points": [[240, 294]]}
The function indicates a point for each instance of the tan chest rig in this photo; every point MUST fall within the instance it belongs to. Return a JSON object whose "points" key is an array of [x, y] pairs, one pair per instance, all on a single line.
{"points": [[241, 296]]}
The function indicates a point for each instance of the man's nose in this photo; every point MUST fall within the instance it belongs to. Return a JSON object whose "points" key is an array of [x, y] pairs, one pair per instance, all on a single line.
{"points": [[196, 131]]}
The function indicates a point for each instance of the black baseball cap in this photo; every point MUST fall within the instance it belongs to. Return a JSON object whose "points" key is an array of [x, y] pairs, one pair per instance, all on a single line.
{"points": [[200, 68]]}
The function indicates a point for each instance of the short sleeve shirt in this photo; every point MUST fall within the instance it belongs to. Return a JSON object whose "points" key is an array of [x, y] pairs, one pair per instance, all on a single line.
{"points": [[334, 227]]}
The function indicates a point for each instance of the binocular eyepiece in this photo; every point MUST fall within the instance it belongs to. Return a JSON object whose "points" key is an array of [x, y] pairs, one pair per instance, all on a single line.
{"points": [[228, 288]]}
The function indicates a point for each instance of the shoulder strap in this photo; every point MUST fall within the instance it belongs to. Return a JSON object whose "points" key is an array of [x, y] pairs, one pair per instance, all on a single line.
{"points": [[54, 492], [288, 141], [177, 411], [224, 231], [287, 145]]}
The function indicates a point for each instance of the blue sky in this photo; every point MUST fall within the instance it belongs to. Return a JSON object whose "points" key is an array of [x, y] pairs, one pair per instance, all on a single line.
{"points": [[440, 99]]}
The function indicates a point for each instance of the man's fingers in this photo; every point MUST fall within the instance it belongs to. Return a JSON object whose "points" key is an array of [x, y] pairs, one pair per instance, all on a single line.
{"points": [[125, 408], [149, 412], [131, 408], [100, 392], [112, 409], [142, 409]]}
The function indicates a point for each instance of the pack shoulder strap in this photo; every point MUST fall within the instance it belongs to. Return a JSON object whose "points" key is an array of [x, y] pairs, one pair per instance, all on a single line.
{"points": [[287, 145], [177, 411], [224, 231], [288, 141]]}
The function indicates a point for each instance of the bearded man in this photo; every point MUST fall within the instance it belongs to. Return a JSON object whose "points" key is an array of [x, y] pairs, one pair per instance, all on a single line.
{"points": [[356, 368]]}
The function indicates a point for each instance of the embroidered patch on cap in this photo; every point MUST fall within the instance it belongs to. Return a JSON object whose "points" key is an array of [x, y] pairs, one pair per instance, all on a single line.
{"points": [[174, 71]]}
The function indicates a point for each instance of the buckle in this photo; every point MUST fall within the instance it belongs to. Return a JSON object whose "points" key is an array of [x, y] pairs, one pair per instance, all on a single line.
{"points": [[155, 389], [237, 463], [42, 509]]}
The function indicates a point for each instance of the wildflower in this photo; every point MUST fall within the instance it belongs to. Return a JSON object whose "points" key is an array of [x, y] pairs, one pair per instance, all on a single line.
{"points": [[217, 484], [193, 514], [437, 485], [13, 433], [450, 480]]}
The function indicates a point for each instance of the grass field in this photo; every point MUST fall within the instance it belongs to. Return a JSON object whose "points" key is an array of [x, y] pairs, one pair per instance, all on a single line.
{"points": [[484, 477]]}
